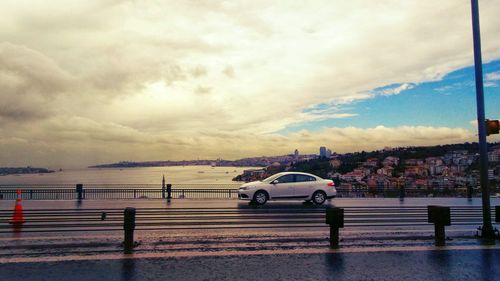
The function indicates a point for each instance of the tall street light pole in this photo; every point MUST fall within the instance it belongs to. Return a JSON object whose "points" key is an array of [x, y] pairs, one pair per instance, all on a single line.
{"points": [[487, 229]]}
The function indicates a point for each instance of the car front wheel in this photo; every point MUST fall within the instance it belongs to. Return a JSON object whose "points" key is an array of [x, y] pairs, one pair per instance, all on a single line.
{"points": [[319, 197], [260, 197]]}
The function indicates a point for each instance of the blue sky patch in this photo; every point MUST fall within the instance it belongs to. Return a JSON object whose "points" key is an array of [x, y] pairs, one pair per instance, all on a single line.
{"points": [[449, 102]]}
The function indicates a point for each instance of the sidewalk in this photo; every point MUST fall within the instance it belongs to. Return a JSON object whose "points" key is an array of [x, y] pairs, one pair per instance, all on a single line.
{"points": [[401, 264]]}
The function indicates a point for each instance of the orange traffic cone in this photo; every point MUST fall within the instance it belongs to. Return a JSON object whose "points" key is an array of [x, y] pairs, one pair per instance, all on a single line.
{"points": [[18, 217]]}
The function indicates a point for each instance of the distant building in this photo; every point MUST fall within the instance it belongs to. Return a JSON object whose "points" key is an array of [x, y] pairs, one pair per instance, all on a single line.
{"points": [[491, 174], [296, 155], [371, 162], [386, 171], [416, 171], [324, 152], [356, 175], [390, 161], [253, 174], [335, 163], [414, 162], [494, 156]]}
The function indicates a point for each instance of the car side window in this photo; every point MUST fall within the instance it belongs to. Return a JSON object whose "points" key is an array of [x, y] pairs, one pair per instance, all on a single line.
{"points": [[285, 179], [303, 178]]}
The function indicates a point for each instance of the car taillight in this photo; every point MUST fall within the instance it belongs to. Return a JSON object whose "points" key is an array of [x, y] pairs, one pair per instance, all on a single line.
{"points": [[331, 184]]}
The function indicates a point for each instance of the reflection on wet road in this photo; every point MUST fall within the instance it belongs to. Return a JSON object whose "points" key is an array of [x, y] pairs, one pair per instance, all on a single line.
{"points": [[213, 226], [472, 264]]}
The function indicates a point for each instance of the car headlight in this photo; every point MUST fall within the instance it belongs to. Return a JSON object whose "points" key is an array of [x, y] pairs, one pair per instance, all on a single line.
{"points": [[245, 188]]}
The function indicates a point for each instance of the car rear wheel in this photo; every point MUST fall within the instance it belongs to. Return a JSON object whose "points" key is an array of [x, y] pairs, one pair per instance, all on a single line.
{"points": [[319, 197], [260, 197]]}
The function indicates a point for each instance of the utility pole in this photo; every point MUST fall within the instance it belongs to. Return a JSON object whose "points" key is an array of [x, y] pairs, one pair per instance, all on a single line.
{"points": [[487, 229]]}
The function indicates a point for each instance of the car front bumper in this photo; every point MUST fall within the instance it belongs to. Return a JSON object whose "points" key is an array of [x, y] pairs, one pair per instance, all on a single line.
{"points": [[244, 194]]}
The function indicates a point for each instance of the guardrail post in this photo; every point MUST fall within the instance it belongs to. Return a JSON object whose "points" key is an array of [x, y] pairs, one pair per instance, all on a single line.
{"points": [[334, 218], [229, 193], [79, 190], [440, 217], [169, 191], [402, 192], [163, 187], [128, 227]]}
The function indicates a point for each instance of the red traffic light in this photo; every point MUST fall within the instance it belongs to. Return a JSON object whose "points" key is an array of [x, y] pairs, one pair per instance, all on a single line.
{"points": [[492, 127]]}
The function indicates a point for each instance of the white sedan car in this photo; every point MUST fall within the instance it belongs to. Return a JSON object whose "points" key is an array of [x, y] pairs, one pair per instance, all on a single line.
{"points": [[286, 186]]}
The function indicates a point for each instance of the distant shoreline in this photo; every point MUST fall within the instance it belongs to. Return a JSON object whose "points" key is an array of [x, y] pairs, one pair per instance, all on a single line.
{"points": [[6, 171], [262, 161], [115, 166]]}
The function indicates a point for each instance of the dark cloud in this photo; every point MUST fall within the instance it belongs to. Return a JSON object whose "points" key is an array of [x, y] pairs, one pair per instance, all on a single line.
{"points": [[30, 82], [22, 110]]}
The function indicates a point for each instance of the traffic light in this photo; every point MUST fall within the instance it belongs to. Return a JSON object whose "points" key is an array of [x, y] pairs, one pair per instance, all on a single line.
{"points": [[492, 127]]}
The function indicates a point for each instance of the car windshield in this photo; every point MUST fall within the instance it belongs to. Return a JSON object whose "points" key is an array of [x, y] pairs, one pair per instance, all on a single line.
{"points": [[273, 177]]}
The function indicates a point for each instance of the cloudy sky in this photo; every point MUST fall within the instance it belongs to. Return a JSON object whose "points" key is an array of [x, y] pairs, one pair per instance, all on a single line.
{"points": [[99, 81]]}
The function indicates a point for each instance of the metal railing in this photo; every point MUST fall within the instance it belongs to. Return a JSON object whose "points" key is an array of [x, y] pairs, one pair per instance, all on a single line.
{"points": [[119, 191], [188, 191], [407, 192]]}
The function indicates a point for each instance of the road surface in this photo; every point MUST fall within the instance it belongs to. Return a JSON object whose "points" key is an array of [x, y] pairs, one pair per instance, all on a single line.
{"points": [[193, 236], [402, 264]]}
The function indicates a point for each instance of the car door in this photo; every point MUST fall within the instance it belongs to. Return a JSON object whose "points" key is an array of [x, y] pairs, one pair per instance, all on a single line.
{"points": [[303, 186], [283, 187]]}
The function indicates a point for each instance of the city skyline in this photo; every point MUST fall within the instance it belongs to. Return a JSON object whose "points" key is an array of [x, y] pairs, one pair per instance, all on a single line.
{"points": [[102, 81]]}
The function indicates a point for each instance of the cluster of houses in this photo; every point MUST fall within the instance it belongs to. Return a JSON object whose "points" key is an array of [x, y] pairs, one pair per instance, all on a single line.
{"points": [[450, 172], [447, 172]]}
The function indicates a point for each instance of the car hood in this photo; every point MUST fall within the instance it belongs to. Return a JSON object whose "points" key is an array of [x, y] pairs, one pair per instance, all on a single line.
{"points": [[250, 183]]}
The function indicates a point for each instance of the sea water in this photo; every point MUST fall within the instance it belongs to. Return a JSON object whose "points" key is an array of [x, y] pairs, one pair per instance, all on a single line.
{"points": [[145, 175]]}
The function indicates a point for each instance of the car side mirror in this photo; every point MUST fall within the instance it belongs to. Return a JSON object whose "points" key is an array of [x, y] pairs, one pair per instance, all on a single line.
{"points": [[275, 181]]}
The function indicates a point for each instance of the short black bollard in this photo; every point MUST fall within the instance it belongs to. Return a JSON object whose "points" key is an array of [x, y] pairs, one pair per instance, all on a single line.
{"points": [[335, 218], [169, 191], [440, 217], [402, 193], [497, 213], [470, 190], [128, 226], [79, 190]]}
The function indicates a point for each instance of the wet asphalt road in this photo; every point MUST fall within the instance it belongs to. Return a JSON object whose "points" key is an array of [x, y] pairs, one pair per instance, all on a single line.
{"points": [[252, 263], [200, 237], [400, 265], [97, 206], [234, 203]]}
